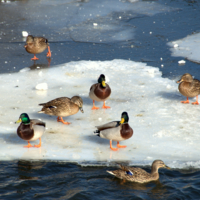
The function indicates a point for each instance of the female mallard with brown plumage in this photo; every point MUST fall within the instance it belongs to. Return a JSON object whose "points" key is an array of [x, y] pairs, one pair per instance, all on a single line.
{"points": [[30, 129], [36, 45], [189, 87], [62, 107], [100, 92], [135, 174], [116, 131]]}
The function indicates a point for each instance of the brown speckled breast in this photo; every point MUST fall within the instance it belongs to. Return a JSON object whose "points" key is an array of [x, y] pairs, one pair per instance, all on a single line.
{"points": [[187, 89], [38, 45], [25, 132], [126, 131], [102, 93]]}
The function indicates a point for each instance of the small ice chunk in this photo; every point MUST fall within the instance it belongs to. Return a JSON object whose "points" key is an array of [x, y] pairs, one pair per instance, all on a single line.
{"points": [[175, 45], [162, 65], [161, 58], [120, 17], [41, 86], [181, 62], [95, 24], [24, 33], [150, 32]]}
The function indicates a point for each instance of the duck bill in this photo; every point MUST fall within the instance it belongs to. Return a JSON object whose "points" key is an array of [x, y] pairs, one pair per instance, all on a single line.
{"points": [[18, 121], [122, 121], [81, 109], [104, 83], [179, 81], [167, 167]]}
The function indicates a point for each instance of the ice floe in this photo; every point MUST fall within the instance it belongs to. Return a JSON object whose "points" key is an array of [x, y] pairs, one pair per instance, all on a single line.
{"points": [[188, 47], [163, 127]]}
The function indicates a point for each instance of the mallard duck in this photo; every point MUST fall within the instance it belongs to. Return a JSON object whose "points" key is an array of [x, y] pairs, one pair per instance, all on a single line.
{"points": [[115, 131], [62, 107], [36, 45], [135, 174], [30, 129], [189, 87], [100, 92]]}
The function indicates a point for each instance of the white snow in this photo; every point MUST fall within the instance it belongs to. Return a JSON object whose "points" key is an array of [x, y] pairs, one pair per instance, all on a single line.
{"points": [[163, 127], [41, 86], [188, 47], [181, 62], [24, 33]]}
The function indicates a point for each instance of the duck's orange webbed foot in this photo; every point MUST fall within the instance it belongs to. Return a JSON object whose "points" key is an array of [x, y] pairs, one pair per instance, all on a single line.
{"points": [[196, 102], [60, 119], [104, 105], [49, 52], [119, 146], [187, 101], [29, 145], [114, 149], [94, 107], [34, 58], [38, 145]]}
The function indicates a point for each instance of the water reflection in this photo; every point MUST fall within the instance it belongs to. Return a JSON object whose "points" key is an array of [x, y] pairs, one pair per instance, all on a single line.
{"points": [[155, 188], [28, 170], [40, 66]]}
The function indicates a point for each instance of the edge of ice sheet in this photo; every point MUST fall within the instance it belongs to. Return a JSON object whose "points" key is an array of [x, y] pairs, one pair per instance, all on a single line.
{"points": [[188, 47], [163, 127]]}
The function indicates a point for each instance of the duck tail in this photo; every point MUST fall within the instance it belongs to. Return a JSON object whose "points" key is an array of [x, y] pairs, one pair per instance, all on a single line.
{"points": [[110, 172], [41, 111], [97, 133]]}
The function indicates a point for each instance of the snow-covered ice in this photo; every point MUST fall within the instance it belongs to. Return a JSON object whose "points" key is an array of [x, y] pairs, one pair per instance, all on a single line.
{"points": [[163, 127], [188, 47]]}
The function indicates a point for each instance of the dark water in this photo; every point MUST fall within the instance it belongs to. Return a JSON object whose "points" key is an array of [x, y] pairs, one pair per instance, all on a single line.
{"points": [[60, 180]]}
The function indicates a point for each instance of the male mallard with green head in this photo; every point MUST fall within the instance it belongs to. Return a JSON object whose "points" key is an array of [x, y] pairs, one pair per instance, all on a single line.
{"points": [[30, 129], [189, 87], [115, 131], [100, 92], [62, 107], [35, 45], [135, 174]]}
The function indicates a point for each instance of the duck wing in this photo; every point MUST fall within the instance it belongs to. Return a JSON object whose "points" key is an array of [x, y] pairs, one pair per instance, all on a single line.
{"points": [[108, 125], [132, 174], [196, 85], [55, 102]]}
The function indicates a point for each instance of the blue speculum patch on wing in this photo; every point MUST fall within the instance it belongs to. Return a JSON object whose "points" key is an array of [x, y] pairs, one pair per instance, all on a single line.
{"points": [[129, 173]]}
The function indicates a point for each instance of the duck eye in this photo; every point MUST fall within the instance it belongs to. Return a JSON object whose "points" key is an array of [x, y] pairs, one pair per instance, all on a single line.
{"points": [[50, 107]]}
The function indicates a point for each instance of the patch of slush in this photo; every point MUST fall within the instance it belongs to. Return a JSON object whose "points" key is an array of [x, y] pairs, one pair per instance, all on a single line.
{"points": [[188, 47], [163, 127]]}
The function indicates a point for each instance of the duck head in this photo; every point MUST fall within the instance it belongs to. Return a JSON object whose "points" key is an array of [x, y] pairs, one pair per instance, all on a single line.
{"points": [[158, 164], [24, 118], [78, 101], [186, 77], [124, 118], [102, 80]]}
